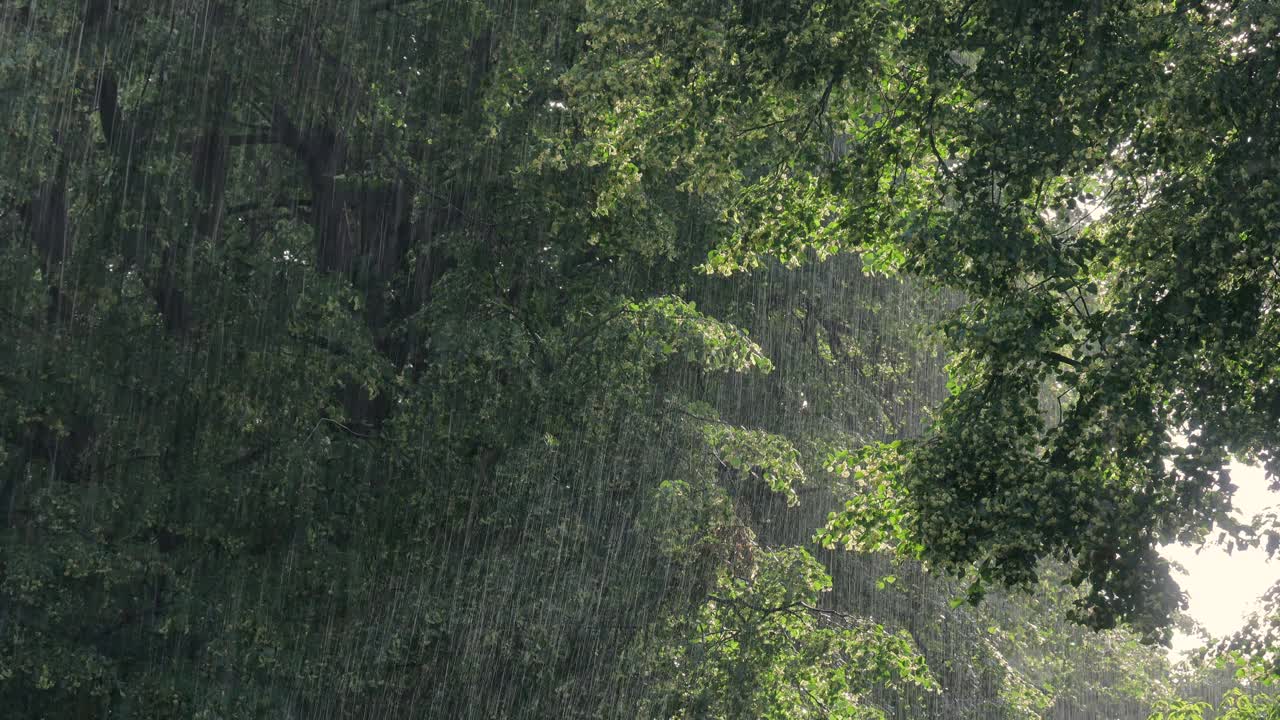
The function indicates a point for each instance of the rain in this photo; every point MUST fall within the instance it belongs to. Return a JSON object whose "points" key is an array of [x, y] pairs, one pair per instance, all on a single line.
{"points": [[480, 359]]}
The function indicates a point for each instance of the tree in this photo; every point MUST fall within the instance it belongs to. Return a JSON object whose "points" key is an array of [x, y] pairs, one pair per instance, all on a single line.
{"points": [[1104, 207], [347, 344]]}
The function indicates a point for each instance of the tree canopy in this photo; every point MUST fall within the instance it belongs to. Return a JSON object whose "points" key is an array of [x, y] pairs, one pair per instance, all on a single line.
{"points": [[488, 359]]}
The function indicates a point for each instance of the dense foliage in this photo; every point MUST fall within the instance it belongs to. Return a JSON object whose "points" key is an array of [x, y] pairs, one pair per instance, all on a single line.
{"points": [[485, 359]]}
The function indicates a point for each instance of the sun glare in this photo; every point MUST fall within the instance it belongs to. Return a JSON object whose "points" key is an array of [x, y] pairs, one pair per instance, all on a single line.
{"points": [[1223, 588]]}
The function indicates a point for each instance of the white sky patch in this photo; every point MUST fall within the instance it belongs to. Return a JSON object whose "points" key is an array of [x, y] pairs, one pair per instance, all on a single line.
{"points": [[1223, 589]]}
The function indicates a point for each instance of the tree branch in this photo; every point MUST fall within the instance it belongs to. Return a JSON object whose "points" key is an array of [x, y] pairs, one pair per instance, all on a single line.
{"points": [[823, 102], [1059, 357]]}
